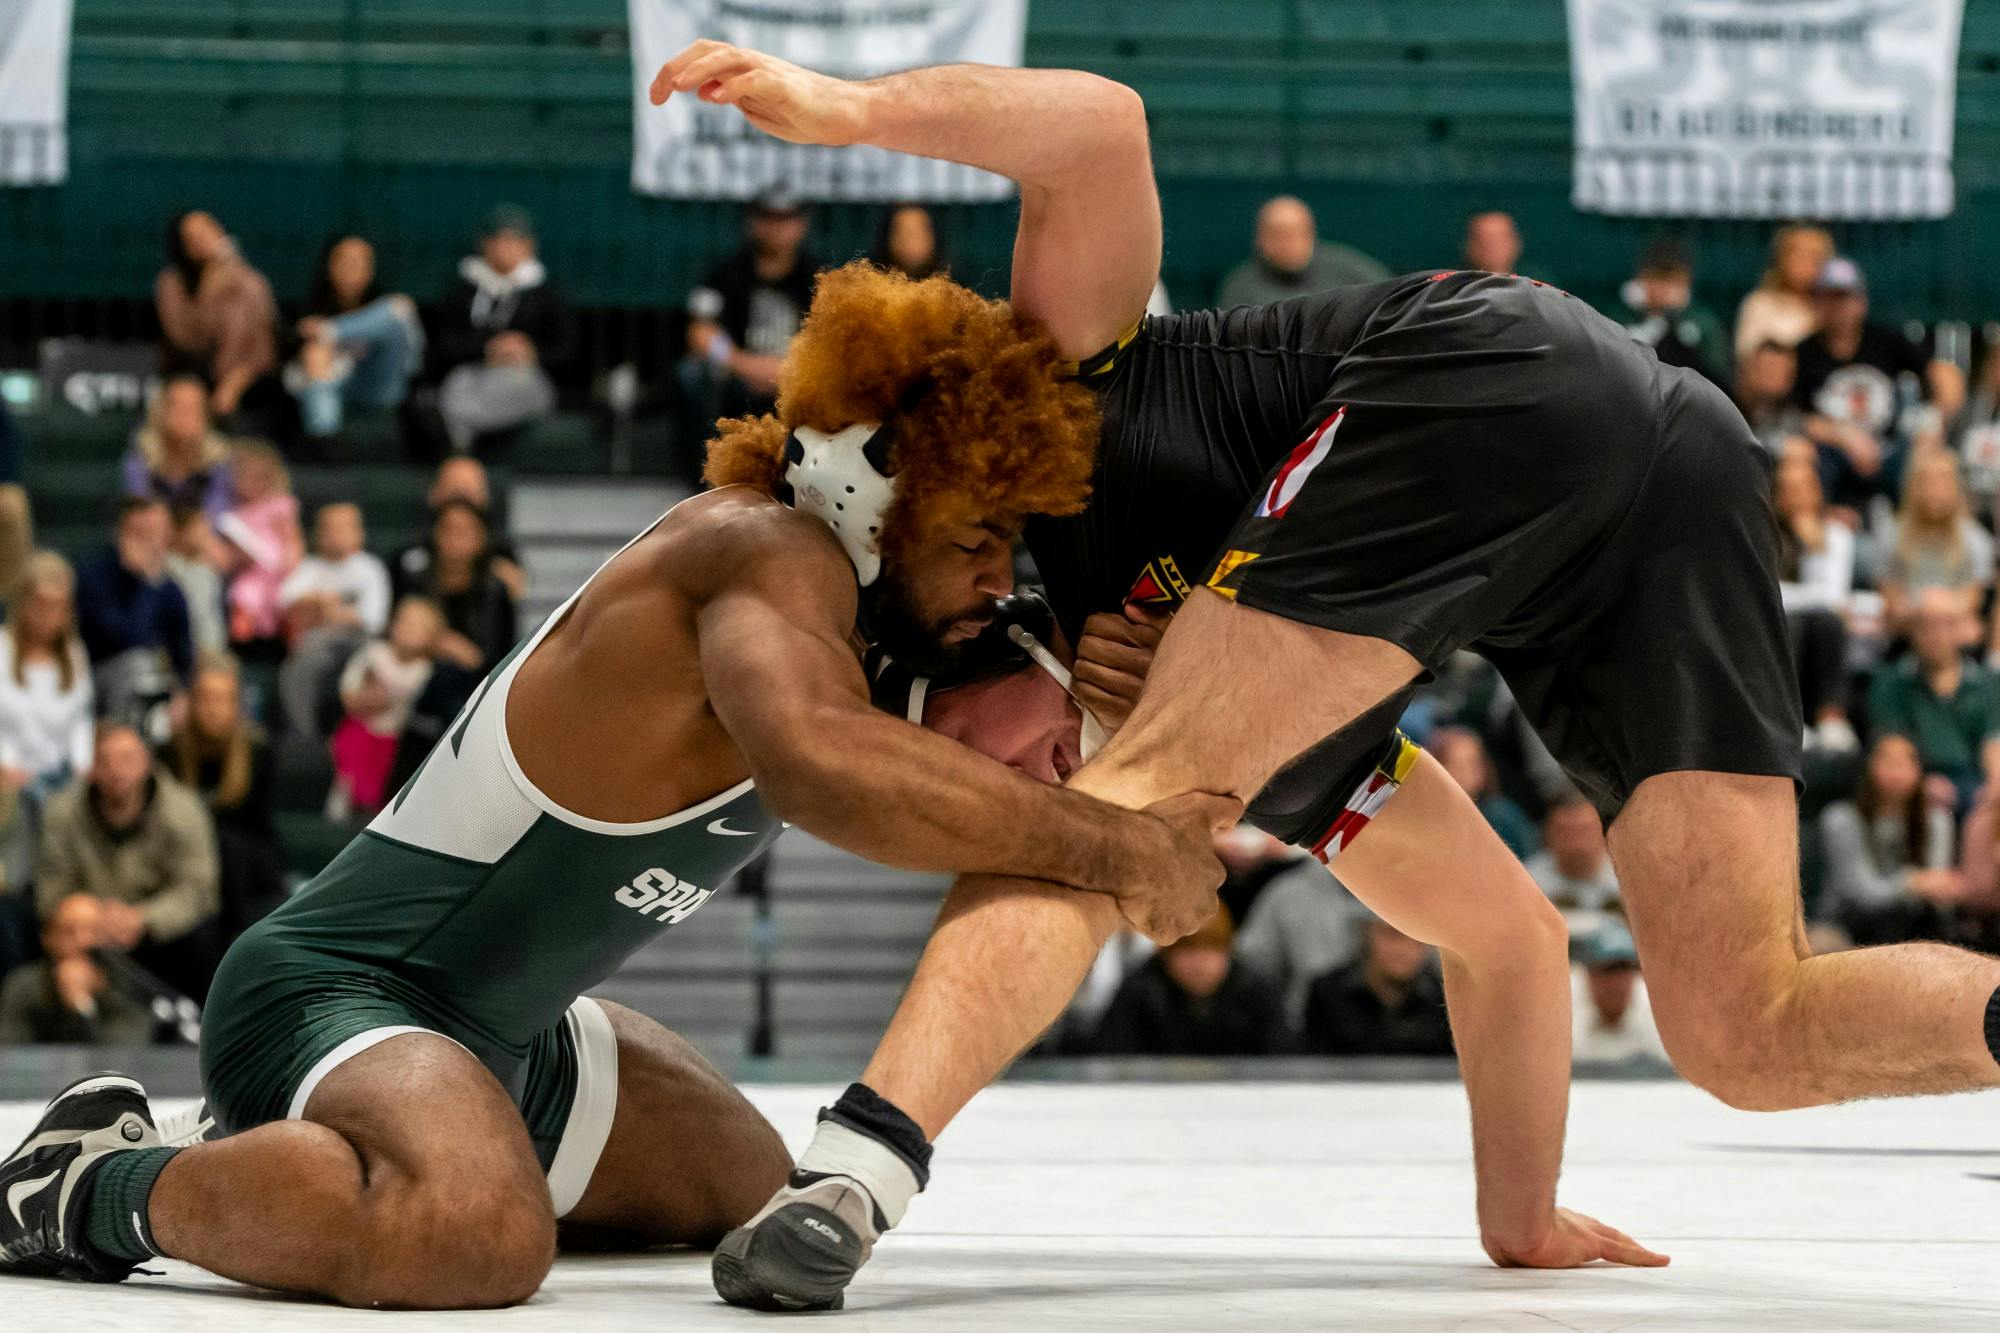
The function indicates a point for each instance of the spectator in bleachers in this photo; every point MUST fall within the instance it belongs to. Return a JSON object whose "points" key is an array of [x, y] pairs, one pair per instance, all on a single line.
{"points": [[462, 477], [1888, 852], [1979, 864], [1936, 544], [1781, 309], [217, 315], [908, 242], [195, 561], [1193, 998], [45, 693], [1861, 385], [17, 526], [1612, 1017], [1289, 259], [1464, 756], [505, 333], [1976, 434], [359, 346], [377, 688], [1301, 926], [1493, 243], [133, 618], [177, 457], [1816, 583], [742, 317], [1666, 317], [142, 844], [1389, 1001], [1937, 695], [67, 997], [262, 536], [459, 576], [334, 602], [1764, 378], [1574, 866], [223, 757]]}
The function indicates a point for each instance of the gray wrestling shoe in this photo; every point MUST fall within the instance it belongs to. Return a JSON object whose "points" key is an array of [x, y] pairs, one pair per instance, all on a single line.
{"points": [[803, 1248], [41, 1226]]}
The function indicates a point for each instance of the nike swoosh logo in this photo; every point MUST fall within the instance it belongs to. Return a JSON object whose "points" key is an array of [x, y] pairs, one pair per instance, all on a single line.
{"points": [[721, 826], [19, 1193]]}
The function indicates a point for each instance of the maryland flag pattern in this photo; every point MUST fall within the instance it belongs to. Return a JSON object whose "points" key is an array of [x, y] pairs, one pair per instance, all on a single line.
{"points": [[1159, 584], [1230, 562], [1369, 798]]}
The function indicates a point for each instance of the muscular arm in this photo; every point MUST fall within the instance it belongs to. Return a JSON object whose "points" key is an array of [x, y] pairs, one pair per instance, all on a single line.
{"points": [[790, 691], [1088, 248]]}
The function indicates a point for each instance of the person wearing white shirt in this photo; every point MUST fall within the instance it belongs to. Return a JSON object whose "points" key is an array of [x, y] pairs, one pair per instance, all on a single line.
{"points": [[1816, 584], [335, 602], [45, 691], [1613, 1018]]}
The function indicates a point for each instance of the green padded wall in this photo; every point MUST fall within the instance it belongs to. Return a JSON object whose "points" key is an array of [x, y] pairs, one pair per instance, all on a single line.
{"points": [[409, 118]]}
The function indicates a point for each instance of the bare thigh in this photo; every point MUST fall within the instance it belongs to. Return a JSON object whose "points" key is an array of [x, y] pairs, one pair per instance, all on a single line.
{"points": [[688, 1158], [410, 1182]]}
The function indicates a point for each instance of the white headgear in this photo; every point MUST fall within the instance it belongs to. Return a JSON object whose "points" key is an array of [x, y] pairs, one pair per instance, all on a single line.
{"points": [[842, 480]]}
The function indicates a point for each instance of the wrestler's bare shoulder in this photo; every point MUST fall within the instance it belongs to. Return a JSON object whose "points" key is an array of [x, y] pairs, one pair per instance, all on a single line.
{"points": [[710, 539]]}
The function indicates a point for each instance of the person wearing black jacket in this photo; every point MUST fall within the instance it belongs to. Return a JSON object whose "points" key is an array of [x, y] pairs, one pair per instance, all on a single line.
{"points": [[1389, 1001], [503, 337], [225, 758], [1193, 999], [742, 317]]}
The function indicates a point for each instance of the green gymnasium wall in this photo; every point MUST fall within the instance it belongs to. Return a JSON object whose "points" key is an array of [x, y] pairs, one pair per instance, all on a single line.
{"points": [[409, 118]]}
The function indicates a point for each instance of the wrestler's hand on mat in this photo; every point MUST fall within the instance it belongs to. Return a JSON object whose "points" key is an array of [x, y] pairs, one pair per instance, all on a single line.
{"points": [[1574, 1240], [1112, 659], [776, 96], [1174, 894]]}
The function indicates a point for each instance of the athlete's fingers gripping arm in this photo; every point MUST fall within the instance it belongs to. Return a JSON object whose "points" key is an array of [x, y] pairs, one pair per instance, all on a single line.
{"points": [[790, 692]]}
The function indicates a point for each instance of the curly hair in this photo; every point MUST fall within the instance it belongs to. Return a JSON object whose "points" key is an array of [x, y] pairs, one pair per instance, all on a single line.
{"points": [[988, 421]]}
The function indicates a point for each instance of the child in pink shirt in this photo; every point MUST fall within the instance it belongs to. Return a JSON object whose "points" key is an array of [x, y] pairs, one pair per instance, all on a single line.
{"points": [[261, 531]]}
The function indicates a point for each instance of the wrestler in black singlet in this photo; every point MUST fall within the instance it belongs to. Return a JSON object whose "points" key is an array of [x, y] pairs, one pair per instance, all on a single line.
{"points": [[1451, 460]]}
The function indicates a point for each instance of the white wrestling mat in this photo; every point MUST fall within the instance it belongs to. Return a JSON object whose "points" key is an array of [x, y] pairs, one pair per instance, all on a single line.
{"points": [[1260, 1206]]}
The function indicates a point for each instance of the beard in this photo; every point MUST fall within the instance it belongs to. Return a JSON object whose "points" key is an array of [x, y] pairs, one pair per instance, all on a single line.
{"points": [[892, 622]]}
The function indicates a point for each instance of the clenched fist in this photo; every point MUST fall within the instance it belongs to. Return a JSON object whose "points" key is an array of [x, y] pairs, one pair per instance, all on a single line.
{"points": [[1172, 894]]}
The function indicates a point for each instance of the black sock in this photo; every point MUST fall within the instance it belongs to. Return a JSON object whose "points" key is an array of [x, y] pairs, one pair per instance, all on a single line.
{"points": [[865, 1111], [1993, 1025], [117, 1221]]}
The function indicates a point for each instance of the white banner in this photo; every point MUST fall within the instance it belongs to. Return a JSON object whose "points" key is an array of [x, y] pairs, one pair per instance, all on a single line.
{"points": [[691, 149], [34, 91], [1765, 108]]}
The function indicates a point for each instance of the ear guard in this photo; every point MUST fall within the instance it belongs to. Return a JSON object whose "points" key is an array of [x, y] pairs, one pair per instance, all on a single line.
{"points": [[843, 480]]}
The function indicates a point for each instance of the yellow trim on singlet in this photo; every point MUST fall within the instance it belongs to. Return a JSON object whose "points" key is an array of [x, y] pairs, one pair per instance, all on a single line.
{"points": [[1104, 359], [1399, 768]]}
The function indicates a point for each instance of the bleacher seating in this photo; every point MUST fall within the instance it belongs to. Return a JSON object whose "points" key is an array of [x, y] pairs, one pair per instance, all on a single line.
{"points": [[1394, 117]]}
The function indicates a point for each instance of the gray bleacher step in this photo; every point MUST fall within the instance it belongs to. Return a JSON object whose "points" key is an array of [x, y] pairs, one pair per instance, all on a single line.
{"points": [[542, 507]]}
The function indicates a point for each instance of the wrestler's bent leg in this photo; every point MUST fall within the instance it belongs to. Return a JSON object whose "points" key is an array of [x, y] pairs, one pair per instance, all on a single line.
{"points": [[410, 1182], [688, 1156], [1234, 693], [1708, 868]]}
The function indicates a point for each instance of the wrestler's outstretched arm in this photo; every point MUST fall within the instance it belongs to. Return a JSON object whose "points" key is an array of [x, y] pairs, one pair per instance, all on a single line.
{"points": [[1088, 249], [775, 614]]}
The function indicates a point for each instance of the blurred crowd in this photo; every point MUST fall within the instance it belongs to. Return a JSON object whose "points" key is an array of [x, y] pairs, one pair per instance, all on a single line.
{"points": [[156, 695]]}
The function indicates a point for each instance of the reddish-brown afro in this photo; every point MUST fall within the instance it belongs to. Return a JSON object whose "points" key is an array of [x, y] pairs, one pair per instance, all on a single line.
{"points": [[1001, 432]]}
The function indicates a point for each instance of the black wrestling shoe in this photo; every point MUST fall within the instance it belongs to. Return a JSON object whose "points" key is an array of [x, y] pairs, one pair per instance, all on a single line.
{"points": [[803, 1248], [42, 1181]]}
